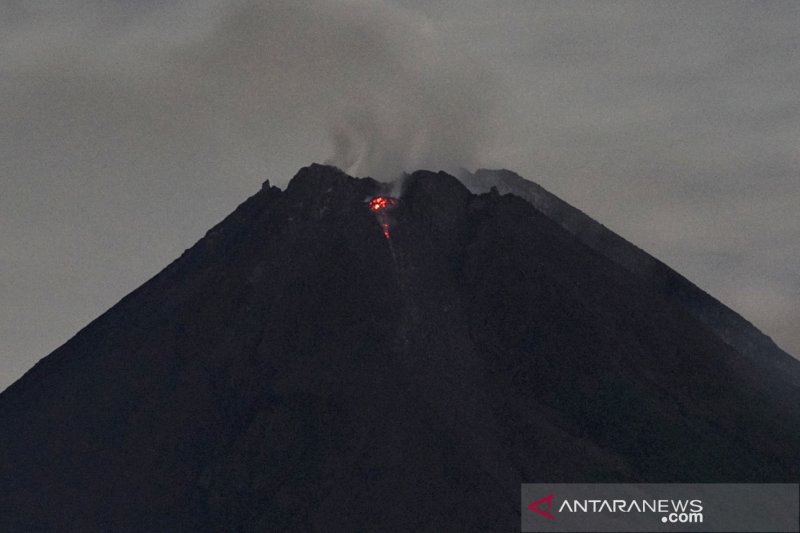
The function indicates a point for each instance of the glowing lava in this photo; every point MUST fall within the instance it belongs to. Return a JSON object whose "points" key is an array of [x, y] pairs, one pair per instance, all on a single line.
{"points": [[380, 205]]}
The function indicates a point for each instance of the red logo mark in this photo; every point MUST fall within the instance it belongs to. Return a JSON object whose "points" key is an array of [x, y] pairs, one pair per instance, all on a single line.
{"points": [[535, 506]]}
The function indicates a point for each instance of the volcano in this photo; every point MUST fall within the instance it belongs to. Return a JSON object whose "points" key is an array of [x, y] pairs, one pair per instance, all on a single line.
{"points": [[295, 370]]}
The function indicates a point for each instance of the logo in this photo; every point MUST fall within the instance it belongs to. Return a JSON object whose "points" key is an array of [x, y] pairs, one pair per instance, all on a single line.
{"points": [[535, 506], [645, 507]]}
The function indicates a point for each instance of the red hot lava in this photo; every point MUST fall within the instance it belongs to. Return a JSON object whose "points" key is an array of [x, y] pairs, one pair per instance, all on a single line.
{"points": [[380, 205]]}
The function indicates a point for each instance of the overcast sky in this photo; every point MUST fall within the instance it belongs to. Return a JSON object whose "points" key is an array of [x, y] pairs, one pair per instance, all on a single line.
{"points": [[127, 129]]}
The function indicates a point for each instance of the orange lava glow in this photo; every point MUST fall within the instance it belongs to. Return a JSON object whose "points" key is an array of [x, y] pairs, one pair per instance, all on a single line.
{"points": [[380, 205]]}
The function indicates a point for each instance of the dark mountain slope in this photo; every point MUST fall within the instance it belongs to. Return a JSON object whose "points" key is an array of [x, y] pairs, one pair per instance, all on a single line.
{"points": [[729, 326], [294, 370]]}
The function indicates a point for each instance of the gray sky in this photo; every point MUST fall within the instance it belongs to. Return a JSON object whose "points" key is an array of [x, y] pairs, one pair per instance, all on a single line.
{"points": [[127, 129]]}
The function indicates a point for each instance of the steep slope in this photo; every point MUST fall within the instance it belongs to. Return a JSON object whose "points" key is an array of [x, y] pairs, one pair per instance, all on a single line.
{"points": [[729, 326], [295, 370]]}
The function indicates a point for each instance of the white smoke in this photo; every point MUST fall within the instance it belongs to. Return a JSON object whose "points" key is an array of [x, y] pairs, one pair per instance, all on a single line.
{"points": [[381, 82], [415, 101], [393, 94]]}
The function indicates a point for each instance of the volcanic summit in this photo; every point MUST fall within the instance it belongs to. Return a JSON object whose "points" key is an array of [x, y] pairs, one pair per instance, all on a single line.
{"points": [[306, 367]]}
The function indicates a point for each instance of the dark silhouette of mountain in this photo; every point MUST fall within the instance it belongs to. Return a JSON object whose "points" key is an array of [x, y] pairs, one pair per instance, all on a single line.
{"points": [[296, 370]]}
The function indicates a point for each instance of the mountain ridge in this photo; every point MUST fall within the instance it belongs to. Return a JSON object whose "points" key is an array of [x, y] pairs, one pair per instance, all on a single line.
{"points": [[735, 329]]}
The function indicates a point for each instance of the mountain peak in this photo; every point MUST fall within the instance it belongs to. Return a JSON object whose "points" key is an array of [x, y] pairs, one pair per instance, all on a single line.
{"points": [[317, 178]]}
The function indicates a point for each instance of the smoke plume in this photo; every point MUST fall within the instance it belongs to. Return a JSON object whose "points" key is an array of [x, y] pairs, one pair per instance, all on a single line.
{"points": [[378, 80], [394, 96], [410, 102]]}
